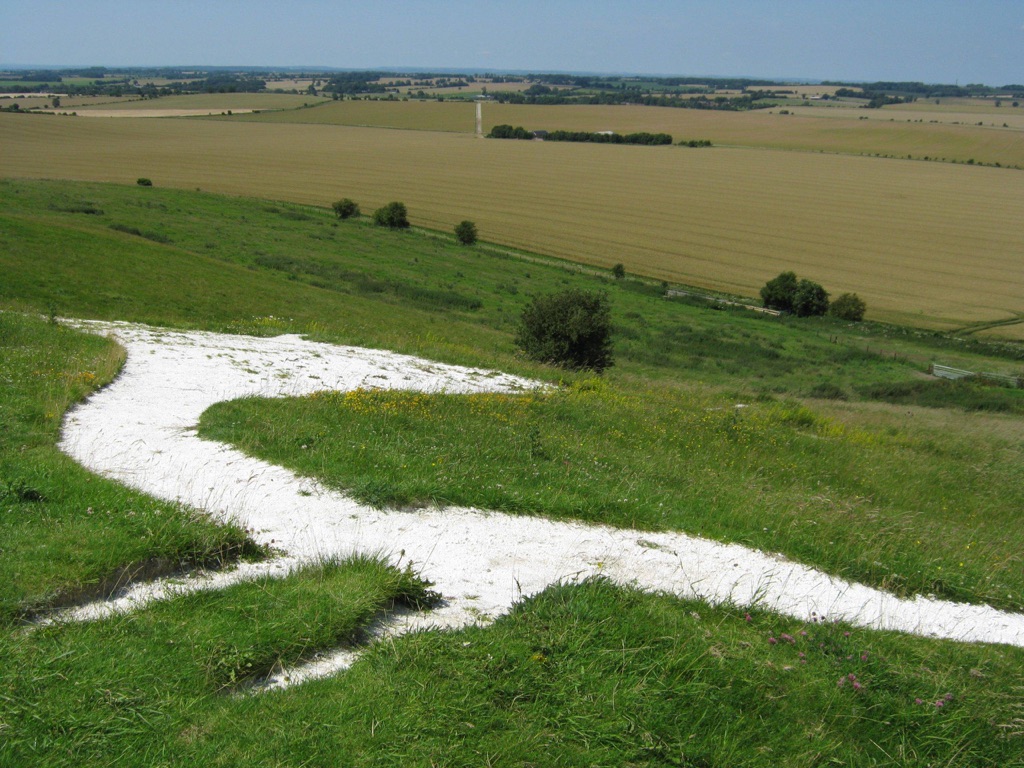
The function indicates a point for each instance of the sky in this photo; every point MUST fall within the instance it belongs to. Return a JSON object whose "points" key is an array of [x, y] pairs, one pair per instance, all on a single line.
{"points": [[934, 41]]}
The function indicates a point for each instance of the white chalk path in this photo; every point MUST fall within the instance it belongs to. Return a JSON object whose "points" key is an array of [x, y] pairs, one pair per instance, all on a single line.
{"points": [[140, 431]]}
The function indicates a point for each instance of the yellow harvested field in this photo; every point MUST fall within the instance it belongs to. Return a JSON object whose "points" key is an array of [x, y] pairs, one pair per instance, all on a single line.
{"points": [[290, 84], [799, 90], [816, 129], [142, 112], [906, 113], [210, 102], [1013, 332], [930, 244], [986, 106]]}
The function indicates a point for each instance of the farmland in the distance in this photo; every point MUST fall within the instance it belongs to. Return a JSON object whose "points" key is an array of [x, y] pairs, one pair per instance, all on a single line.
{"points": [[817, 129], [931, 244]]}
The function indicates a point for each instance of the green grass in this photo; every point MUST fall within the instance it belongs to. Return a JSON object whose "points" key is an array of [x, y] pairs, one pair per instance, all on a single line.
{"points": [[580, 675], [75, 702]]}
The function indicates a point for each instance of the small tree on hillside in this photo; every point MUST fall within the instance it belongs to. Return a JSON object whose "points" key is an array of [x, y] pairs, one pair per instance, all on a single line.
{"points": [[779, 292], [392, 215], [571, 329], [848, 306], [346, 209], [618, 271], [465, 232], [810, 299]]}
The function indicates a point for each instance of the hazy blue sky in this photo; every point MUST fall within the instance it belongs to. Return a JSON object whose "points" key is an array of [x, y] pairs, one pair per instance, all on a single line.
{"points": [[977, 41]]}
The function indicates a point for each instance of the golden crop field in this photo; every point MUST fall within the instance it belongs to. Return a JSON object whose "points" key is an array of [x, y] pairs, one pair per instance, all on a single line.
{"points": [[801, 90], [1013, 332], [815, 129], [931, 244], [212, 102], [1013, 118]]}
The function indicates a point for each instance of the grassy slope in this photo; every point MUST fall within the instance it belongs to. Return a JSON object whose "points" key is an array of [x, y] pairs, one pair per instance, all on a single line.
{"points": [[926, 244], [580, 676], [583, 674]]}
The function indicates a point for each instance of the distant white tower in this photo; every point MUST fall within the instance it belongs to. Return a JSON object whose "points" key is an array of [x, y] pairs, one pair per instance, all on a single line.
{"points": [[479, 119]]}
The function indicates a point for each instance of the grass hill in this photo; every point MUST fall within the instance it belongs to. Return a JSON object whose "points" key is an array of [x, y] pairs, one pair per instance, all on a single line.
{"points": [[847, 457]]}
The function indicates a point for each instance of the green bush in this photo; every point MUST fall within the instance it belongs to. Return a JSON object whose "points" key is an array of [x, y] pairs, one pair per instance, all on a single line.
{"points": [[778, 293], [848, 306], [465, 232], [803, 298], [618, 271], [346, 208], [810, 299], [570, 329], [392, 215], [144, 182]]}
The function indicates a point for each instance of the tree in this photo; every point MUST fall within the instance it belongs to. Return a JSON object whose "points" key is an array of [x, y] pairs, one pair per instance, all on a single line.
{"points": [[849, 306], [571, 329], [465, 232], [392, 215], [618, 271], [810, 299], [144, 182], [778, 293], [346, 209]]}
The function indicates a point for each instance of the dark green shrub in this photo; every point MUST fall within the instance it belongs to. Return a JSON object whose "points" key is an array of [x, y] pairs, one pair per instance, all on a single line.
{"points": [[143, 182], [465, 232], [392, 215], [810, 299], [346, 208], [619, 271], [779, 293], [571, 329], [848, 306]]}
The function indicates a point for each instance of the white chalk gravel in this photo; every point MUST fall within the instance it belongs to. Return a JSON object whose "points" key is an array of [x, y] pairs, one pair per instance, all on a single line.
{"points": [[140, 431]]}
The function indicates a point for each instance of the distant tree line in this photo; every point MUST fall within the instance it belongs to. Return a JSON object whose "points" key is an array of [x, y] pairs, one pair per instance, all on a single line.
{"points": [[748, 101], [875, 99], [928, 90], [506, 131], [649, 139]]}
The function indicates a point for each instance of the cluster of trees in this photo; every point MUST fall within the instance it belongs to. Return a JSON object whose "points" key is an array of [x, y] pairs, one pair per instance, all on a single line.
{"points": [[806, 298], [695, 143], [505, 131], [649, 139]]}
